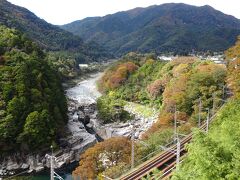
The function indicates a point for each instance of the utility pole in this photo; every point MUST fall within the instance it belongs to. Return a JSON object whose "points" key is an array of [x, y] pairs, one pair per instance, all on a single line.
{"points": [[208, 118], [176, 139], [223, 93], [178, 154], [52, 173], [132, 152], [52, 168], [199, 112], [175, 124], [213, 108]]}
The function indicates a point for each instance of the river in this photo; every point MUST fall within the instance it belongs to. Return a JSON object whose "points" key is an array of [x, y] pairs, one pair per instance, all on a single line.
{"points": [[80, 97], [83, 95], [84, 128], [85, 92]]}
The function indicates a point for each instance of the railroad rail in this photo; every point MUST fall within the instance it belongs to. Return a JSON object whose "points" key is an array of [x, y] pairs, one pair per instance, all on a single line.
{"points": [[165, 162]]}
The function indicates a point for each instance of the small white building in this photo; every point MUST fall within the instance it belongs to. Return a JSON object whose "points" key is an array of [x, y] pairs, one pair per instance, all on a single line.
{"points": [[165, 58], [214, 58], [83, 65]]}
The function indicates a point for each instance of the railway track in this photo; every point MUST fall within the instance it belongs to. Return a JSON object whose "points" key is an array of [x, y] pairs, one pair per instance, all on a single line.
{"points": [[161, 161], [165, 162]]}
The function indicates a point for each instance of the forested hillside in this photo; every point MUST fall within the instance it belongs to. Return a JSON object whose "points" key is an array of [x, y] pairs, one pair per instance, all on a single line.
{"points": [[216, 155], [32, 102], [180, 82], [48, 36], [177, 28], [143, 79]]}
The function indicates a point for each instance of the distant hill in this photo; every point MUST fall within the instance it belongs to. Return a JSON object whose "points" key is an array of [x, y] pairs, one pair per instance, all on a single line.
{"points": [[47, 35], [167, 27]]}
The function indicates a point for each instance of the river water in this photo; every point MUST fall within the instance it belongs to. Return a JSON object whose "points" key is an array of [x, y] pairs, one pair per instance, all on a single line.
{"points": [[84, 93]]}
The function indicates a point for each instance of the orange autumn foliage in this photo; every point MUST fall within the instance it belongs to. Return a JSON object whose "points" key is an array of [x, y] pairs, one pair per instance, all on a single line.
{"points": [[116, 76], [103, 155], [233, 60], [176, 89], [184, 60], [164, 121], [166, 118], [175, 92], [233, 52], [233, 77], [182, 116], [156, 88], [209, 68]]}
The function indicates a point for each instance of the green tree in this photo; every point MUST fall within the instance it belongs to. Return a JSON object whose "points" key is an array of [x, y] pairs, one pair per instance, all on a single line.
{"points": [[111, 109], [215, 155], [31, 95], [37, 129]]}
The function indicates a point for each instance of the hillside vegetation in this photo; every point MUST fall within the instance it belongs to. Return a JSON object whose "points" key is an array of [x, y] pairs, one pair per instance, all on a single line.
{"points": [[164, 85], [178, 28], [216, 155], [48, 36], [179, 83], [32, 102], [110, 156]]}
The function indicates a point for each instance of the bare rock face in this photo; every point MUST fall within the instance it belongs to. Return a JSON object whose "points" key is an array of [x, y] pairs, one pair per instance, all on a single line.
{"points": [[11, 165], [139, 125]]}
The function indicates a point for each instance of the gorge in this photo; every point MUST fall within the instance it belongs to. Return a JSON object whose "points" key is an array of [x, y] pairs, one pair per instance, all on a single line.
{"points": [[83, 130]]}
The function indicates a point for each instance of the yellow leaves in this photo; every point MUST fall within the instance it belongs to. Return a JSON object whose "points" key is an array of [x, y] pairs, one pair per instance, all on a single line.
{"points": [[209, 68], [111, 94], [180, 69], [150, 61]]}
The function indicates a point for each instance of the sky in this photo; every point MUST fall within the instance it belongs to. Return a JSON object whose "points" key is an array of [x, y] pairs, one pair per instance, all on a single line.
{"points": [[61, 12]]}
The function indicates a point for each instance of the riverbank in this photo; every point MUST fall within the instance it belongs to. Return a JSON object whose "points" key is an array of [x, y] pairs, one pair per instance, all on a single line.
{"points": [[79, 135], [83, 130]]}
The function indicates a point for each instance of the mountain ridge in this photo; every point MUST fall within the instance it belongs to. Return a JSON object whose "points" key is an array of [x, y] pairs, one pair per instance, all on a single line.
{"points": [[166, 27], [48, 36]]}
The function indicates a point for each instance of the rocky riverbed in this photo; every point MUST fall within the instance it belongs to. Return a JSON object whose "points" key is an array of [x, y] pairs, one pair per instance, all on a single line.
{"points": [[83, 130], [137, 126], [80, 135]]}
